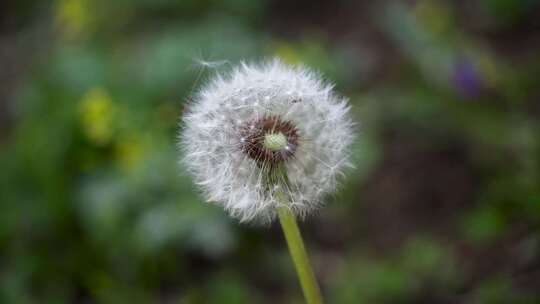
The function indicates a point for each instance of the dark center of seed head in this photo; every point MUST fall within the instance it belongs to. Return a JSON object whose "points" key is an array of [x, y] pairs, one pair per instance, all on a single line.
{"points": [[269, 140]]}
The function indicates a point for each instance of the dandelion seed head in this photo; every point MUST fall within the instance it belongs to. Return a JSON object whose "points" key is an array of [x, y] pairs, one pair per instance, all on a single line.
{"points": [[232, 142]]}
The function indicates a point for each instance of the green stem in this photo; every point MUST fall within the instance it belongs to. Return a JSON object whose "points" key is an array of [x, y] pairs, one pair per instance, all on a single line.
{"points": [[299, 256]]}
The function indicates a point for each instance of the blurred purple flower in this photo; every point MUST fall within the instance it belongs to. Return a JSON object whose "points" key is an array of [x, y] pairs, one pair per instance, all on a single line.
{"points": [[466, 78]]}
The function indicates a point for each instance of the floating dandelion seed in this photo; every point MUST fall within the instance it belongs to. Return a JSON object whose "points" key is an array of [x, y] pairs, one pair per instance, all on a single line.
{"points": [[264, 129], [212, 64]]}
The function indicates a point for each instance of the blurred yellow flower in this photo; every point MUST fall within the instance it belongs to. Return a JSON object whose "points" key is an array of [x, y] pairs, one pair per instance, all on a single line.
{"points": [[129, 151], [490, 70], [287, 53], [96, 113], [72, 16], [434, 16]]}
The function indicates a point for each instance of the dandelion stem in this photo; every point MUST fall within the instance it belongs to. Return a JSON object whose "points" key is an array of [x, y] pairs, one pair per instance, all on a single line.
{"points": [[299, 256]]}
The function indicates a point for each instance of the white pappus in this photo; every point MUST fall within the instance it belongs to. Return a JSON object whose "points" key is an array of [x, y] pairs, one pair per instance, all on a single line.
{"points": [[264, 129]]}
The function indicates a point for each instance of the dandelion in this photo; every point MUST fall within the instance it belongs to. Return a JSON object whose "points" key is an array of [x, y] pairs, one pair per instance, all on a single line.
{"points": [[269, 140]]}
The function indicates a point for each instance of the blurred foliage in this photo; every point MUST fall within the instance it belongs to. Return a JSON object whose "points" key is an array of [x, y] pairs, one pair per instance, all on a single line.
{"points": [[443, 207]]}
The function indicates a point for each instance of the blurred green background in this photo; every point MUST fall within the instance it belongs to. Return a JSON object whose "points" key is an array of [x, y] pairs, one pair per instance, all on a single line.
{"points": [[443, 207]]}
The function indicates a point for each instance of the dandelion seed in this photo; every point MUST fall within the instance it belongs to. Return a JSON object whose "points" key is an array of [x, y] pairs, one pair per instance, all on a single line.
{"points": [[211, 64]]}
